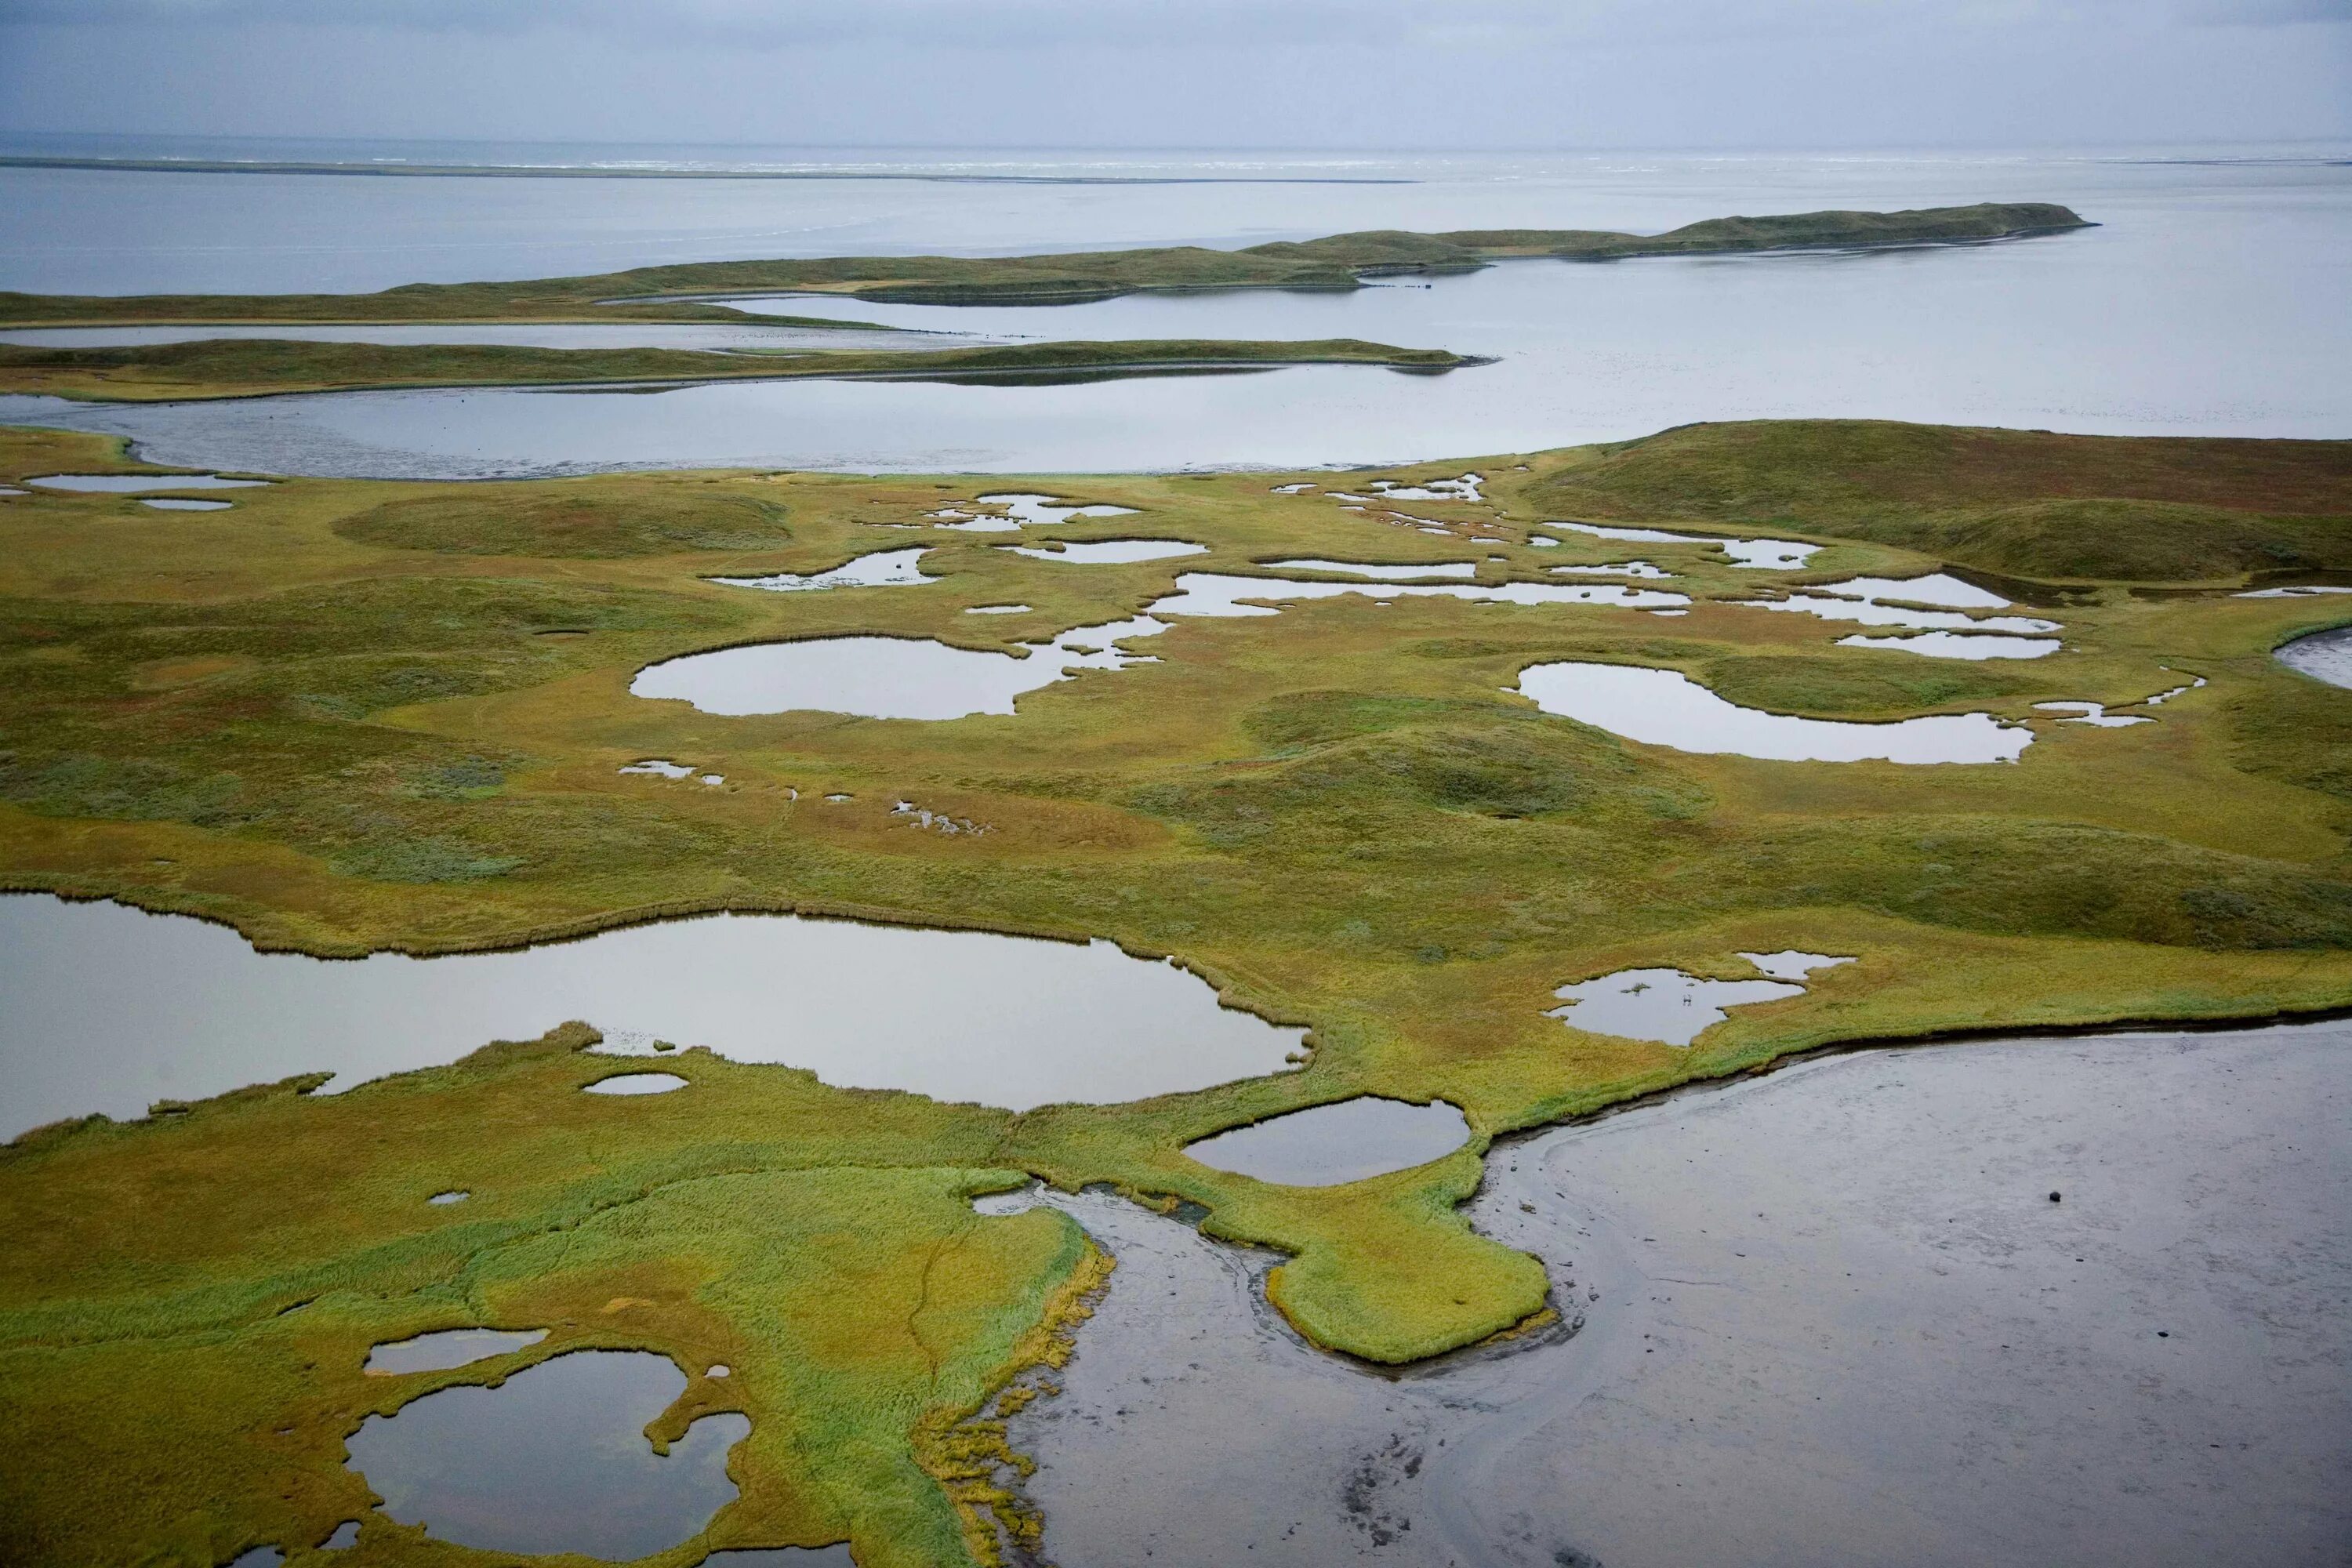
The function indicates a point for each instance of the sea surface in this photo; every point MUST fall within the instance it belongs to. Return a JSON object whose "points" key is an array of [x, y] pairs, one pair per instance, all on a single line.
{"points": [[2209, 301]]}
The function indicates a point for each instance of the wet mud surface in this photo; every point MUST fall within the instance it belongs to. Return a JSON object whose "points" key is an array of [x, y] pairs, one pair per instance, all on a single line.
{"points": [[1828, 1316]]}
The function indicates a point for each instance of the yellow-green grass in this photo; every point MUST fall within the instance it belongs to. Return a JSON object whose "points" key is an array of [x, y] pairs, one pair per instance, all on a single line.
{"points": [[1338, 261], [257, 367], [341, 718]]}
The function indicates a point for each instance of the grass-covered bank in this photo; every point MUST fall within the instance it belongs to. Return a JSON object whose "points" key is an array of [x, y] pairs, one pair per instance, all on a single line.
{"points": [[1339, 261], [356, 714]]}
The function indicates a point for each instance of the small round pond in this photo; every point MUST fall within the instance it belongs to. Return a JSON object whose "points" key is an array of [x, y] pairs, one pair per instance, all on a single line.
{"points": [[555, 1459], [1327, 1145]]}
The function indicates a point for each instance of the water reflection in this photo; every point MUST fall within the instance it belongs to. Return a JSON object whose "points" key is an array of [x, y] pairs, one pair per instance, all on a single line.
{"points": [[555, 1459], [1327, 1145], [1666, 708], [190, 1009]]}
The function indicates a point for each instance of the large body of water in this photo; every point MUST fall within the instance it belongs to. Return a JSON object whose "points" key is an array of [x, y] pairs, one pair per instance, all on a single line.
{"points": [[1831, 1317], [2208, 301]]}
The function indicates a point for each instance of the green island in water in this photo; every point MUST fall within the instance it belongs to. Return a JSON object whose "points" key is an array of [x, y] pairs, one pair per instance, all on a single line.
{"points": [[684, 293], [346, 716]]}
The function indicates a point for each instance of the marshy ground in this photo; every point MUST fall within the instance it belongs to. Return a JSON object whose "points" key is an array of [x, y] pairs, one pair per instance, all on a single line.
{"points": [[352, 715]]}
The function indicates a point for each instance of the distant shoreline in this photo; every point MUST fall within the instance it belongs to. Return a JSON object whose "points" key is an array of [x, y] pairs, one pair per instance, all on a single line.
{"points": [[601, 171]]}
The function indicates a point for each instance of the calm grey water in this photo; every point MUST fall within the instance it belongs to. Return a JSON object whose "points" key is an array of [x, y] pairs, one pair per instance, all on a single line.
{"points": [[1327, 1145], [106, 1008], [555, 1460], [1831, 1320], [2208, 303]]}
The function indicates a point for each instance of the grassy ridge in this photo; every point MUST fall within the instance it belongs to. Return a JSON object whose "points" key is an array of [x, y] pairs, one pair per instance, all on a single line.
{"points": [[253, 367], [1339, 261], [353, 714], [2080, 508]]}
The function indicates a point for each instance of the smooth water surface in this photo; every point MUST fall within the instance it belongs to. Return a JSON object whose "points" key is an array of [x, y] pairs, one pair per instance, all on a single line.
{"points": [[1871, 612], [555, 1460], [1959, 644], [172, 504], [1668, 708], [450, 1347], [1385, 572], [2092, 713], [1109, 552], [1327, 1145], [882, 677], [1760, 554], [1662, 1004], [877, 569], [711, 337], [1220, 594], [189, 1009], [635, 1083], [1829, 1318], [2205, 303], [2323, 656], [138, 484]]}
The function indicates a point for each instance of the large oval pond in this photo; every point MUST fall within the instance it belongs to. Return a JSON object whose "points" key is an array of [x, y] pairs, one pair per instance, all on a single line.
{"points": [[555, 1459], [188, 1009]]}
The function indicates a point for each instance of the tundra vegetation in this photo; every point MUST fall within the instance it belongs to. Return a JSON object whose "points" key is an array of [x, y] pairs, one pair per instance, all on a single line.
{"points": [[349, 715], [684, 292]]}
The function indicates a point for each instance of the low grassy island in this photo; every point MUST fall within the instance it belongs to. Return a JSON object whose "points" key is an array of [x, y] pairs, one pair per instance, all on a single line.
{"points": [[1339, 261], [1990, 716], [252, 367]]}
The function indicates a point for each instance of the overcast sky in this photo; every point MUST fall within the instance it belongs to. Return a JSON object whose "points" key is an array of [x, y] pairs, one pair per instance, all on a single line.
{"points": [[1190, 73]]}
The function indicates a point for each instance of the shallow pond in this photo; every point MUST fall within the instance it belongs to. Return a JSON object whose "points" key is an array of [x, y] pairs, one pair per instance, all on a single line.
{"points": [[1385, 572], [555, 1459], [2323, 656], [1027, 507], [1666, 708], [881, 677], [450, 1347], [636, 1083], [172, 504], [1220, 594], [2092, 713], [1959, 644], [1327, 1145], [877, 568], [1675, 1008], [1764, 554], [1871, 612], [1109, 552], [191, 1010], [139, 484], [1829, 1317]]}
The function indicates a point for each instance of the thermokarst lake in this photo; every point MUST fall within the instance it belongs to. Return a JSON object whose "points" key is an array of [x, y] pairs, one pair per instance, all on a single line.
{"points": [[1499, 860]]}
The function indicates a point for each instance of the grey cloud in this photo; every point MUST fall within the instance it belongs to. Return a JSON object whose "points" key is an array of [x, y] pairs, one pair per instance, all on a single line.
{"points": [[1036, 24]]}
